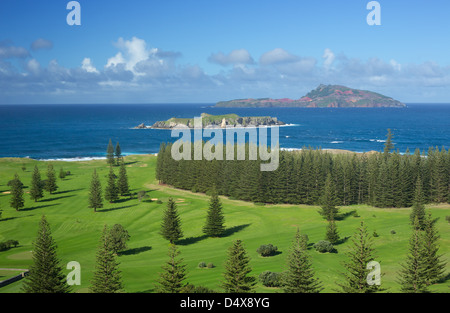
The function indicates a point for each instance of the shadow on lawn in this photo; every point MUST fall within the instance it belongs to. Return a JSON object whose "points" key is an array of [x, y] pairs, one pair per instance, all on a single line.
{"points": [[118, 208], [135, 250], [39, 207], [228, 232], [57, 198], [67, 191]]}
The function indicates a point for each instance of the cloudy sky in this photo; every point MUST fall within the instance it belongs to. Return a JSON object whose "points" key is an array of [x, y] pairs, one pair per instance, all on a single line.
{"points": [[149, 51]]}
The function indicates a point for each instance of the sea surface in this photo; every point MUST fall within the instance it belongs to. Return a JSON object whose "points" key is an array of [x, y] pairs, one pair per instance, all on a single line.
{"points": [[73, 132]]}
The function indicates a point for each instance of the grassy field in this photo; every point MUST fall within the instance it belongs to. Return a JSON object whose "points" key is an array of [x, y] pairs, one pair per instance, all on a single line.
{"points": [[77, 229]]}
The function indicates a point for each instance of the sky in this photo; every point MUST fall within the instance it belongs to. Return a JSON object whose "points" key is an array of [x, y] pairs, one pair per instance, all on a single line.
{"points": [[197, 51]]}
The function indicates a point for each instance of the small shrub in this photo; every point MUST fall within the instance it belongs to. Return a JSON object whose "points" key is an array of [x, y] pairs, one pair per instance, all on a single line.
{"points": [[159, 201], [393, 232], [267, 250], [202, 265], [447, 218], [323, 246], [375, 234], [270, 279], [210, 265], [355, 214]]}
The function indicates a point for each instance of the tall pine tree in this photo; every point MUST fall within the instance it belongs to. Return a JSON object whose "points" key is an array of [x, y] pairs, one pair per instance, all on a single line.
{"points": [[111, 190], [171, 280], [36, 191], [107, 276], [122, 181], [214, 221], [46, 275], [299, 276], [50, 183], [95, 193], [118, 154], [328, 201], [110, 153], [17, 202], [435, 266], [171, 224], [361, 253], [237, 270], [418, 208], [413, 273]]}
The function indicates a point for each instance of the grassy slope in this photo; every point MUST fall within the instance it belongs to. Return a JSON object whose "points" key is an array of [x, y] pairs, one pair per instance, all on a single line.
{"points": [[77, 228]]}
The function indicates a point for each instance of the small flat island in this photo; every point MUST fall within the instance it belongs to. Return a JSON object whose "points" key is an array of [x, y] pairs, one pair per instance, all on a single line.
{"points": [[216, 121]]}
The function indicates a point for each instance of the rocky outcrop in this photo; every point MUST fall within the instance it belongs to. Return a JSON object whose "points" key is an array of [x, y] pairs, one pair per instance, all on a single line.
{"points": [[216, 121]]}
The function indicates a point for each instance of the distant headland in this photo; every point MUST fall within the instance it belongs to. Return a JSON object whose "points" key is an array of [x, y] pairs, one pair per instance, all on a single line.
{"points": [[216, 121], [324, 96]]}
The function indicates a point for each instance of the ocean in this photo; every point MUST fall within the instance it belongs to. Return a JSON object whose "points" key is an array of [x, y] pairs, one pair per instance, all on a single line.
{"points": [[74, 132]]}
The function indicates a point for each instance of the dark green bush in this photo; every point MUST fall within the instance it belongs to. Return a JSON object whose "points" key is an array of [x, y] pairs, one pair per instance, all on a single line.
{"points": [[270, 279], [267, 250], [202, 264], [323, 246]]}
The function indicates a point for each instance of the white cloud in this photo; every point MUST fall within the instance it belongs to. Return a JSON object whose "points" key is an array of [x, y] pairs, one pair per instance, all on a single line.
{"points": [[328, 58], [86, 65], [277, 56], [235, 57]]}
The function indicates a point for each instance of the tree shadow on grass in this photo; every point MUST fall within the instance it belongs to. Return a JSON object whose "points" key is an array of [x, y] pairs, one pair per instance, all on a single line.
{"points": [[14, 217], [118, 208], [190, 240], [135, 250], [57, 198], [230, 231], [343, 216], [39, 207], [67, 191], [342, 240]]}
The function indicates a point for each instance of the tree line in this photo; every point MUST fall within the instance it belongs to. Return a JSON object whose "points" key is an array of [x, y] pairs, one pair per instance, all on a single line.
{"points": [[380, 179]]}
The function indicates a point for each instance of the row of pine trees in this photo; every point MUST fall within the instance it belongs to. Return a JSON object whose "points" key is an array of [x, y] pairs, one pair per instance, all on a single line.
{"points": [[385, 179]]}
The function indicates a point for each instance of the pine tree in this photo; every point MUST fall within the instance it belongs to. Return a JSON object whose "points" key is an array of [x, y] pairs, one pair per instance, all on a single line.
{"points": [[214, 221], [46, 275], [435, 267], [110, 154], [122, 182], [413, 273], [50, 183], [329, 200], [62, 173], [300, 276], [107, 276], [237, 270], [118, 237], [95, 193], [388, 145], [17, 200], [171, 280], [118, 153], [418, 208], [361, 253], [36, 191], [111, 190], [332, 234], [171, 224]]}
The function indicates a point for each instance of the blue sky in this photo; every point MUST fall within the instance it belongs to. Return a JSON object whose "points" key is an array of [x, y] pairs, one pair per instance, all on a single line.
{"points": [[206, 51]]}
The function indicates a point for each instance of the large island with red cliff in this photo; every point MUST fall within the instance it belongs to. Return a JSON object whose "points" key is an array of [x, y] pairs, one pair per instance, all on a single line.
{"points": [[324, 96]]}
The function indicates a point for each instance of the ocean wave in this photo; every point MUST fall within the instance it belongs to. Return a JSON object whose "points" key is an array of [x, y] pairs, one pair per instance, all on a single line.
{"points": [[377, 140], [337, 141]]}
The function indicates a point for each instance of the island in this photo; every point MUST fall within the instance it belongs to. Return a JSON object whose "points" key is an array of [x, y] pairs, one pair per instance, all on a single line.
{"points": [[324, 96], [216, 121]]}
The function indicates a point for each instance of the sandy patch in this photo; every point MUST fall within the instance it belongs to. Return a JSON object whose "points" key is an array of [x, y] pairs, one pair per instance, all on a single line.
{"points": [[6, 192]]}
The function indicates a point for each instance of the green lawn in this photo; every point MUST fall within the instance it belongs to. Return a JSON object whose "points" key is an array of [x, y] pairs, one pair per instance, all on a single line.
{"points": [[77, 229]]}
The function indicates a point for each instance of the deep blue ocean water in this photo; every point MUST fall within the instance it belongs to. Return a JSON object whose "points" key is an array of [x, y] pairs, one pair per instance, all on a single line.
{"points": [[83, 131]]}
